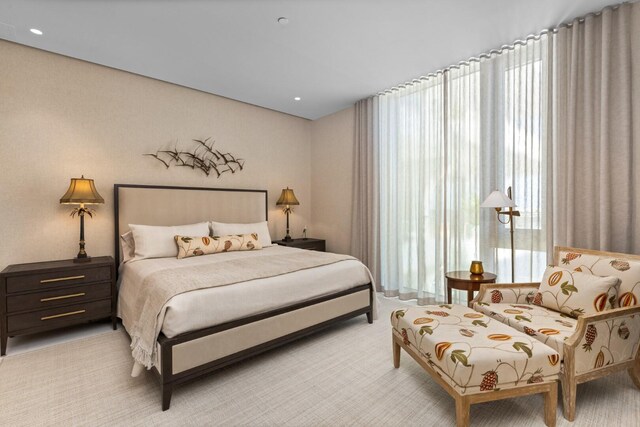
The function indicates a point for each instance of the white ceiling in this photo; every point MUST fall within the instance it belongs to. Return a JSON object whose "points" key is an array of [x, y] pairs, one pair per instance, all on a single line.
{"points": [[331, 54]]}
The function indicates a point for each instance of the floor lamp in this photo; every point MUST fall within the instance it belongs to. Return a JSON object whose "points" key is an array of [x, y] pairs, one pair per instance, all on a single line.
{"points": [[499, 200]]}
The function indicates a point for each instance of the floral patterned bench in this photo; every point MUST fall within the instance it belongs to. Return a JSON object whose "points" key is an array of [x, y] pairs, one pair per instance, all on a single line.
{"points": [[476, 358], [594, 337]]}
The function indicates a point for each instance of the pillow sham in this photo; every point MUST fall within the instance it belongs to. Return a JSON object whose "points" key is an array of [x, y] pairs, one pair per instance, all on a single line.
{"points": [[575, 293], [152, 241], [195, 246], [127, 247], [260, 228]]}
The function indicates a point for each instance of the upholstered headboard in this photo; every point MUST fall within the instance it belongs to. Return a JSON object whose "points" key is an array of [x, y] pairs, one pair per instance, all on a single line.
{"points": [[168, 205]]}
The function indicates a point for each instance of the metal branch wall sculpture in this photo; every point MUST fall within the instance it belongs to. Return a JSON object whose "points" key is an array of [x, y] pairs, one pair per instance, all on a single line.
{"points": [[203, 157]]}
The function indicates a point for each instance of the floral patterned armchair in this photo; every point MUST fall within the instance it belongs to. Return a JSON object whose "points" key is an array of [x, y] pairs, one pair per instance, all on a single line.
{"points": [[591, 345]]}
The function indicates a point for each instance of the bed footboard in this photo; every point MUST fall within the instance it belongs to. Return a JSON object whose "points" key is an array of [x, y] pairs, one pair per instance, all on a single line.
{"points": [[193, 355]]}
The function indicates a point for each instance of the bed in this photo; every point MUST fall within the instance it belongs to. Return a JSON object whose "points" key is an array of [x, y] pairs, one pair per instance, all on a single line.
{"points": [[204, 330]]}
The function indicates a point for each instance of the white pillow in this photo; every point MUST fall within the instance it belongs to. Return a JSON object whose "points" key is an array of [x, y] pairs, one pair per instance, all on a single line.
{"points": [[152, 241], [224, 229], [127, 247]]}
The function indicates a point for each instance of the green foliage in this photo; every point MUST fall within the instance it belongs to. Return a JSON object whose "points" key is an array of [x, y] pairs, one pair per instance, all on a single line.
{"points": [[567, 288], [426, 330], [459, 356], [521, 346]]}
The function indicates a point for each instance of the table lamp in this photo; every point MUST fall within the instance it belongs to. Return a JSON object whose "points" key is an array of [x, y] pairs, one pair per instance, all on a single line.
{"points": [[287, 199], [81, 192], [499, 200]]}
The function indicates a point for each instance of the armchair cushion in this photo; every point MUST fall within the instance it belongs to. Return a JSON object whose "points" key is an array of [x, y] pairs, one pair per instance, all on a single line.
{"points": [[626, 269], [548, 326], [576, 293]]}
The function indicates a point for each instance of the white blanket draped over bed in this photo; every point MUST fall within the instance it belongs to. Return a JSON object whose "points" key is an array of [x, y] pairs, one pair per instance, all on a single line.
{"points": [[229, 286]]}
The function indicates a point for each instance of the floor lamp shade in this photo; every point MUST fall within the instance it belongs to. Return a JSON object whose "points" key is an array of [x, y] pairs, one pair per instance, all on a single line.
{"points": [[287, 199], [498, 200], [81, 191]]}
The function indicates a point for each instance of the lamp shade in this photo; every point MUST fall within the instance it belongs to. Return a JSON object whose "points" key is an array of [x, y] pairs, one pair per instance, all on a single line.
{"points": [[287, 198], [498, 199], [81, 191]]}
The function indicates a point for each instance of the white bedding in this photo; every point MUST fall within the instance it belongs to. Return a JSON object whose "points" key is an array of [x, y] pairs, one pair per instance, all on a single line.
{"points": [[209, 307]]}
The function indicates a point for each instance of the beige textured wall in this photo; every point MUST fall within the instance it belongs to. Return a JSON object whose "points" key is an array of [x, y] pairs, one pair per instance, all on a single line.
{"points": [[332, 178], [60, 118]]}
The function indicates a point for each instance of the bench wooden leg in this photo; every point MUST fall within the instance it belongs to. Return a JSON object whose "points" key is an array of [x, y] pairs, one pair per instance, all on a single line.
{"points": [[551, 405], [462, 411], [396, 352]]}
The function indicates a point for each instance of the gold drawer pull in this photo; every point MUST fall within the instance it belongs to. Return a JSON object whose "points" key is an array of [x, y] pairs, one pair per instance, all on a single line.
{"points": [[55, 316], [61, 279], [81, 294]]}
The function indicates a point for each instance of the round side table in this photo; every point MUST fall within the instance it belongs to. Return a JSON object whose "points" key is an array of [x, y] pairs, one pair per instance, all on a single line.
{"points": [[465, 281]]}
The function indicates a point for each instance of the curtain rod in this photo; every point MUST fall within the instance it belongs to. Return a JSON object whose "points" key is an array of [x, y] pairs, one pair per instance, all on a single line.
{"points": [[512, 46]]}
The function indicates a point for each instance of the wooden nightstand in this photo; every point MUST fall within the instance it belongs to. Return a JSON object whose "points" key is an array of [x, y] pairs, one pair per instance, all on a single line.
{"points": [[311, 244], [49, 295]]}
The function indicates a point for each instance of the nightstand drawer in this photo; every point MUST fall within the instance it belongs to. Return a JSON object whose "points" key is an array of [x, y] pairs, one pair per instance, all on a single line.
{"points": [[313, 246], [58, 297], [309, 244], [62, 278], [58, 317]]}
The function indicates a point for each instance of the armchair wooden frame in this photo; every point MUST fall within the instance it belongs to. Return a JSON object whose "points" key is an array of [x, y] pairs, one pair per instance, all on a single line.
{"points": [[568, 375]]}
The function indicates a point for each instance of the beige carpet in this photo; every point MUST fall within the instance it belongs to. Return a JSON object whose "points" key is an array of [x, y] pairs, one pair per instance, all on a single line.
{"points": [[342, 376]]}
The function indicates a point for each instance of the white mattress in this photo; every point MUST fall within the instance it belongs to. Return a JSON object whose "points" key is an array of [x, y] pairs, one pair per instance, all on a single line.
{"points": [[209, 307]]}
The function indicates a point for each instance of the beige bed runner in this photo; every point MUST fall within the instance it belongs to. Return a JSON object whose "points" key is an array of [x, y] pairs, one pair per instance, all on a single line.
{"points": [[158, 288]]}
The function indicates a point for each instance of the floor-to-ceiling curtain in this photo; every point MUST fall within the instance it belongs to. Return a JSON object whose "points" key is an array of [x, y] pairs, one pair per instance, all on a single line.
{"points": [[445, 142], [556, 117], [365, 223], [412, 190], [596, 125]]}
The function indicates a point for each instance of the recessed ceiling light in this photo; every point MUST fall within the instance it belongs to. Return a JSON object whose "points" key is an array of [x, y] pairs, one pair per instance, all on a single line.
{"points": [[297, 98], [283, 20], [36, 31]]}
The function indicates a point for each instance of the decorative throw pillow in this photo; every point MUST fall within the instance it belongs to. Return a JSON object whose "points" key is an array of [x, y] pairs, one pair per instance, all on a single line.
{"points": [[575, 293], [261, 228], [152, 241], [195, 246], [626, 269]]}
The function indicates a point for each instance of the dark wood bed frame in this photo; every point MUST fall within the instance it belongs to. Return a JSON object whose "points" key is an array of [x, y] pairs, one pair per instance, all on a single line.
{"points": [[169, 381]]}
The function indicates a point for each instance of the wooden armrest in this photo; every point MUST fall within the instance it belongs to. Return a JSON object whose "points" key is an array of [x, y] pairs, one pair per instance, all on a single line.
{"points": [[585, 320]]}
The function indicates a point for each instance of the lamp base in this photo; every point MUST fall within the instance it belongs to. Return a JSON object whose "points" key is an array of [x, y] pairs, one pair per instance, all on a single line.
{"points": [[287, 239], [81, 260]]}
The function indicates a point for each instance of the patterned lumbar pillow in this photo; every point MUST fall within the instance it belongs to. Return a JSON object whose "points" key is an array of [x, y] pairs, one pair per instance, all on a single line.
{"points": [[575, 293], [193, 246]]}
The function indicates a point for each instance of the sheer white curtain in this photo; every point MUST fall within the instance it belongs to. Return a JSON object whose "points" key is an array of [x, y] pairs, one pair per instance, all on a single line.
{"points": [[445, 142]]}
